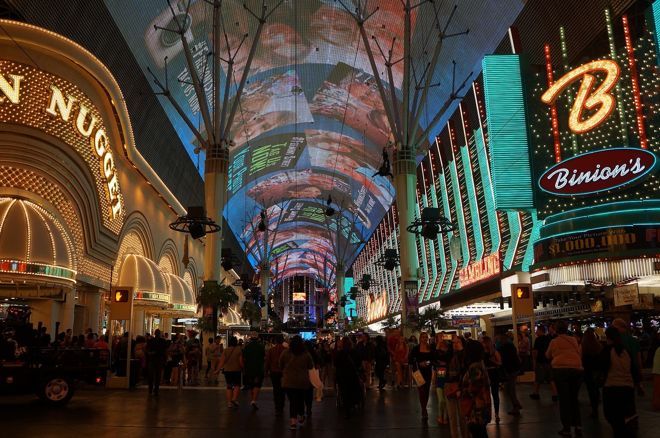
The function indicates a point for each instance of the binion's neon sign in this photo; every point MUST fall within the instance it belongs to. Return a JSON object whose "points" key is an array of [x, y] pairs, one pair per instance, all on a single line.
{"points": [[598, 100]]}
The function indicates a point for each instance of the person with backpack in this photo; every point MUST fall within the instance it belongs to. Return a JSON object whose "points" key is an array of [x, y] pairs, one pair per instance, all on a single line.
{"points": [[620, 377]]}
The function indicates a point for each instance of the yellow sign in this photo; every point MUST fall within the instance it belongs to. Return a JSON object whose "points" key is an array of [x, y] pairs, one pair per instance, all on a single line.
{"points": [[31, 97], [523, 302], [121, 303], [599, 102]]}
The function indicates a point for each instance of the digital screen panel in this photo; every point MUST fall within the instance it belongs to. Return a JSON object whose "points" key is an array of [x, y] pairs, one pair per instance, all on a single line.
{"points": [[310, 122]]}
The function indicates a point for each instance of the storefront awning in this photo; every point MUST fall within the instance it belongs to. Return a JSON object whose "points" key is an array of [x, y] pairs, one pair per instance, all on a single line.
{"points": [[148, 280], [182, 296], [34, 246]]}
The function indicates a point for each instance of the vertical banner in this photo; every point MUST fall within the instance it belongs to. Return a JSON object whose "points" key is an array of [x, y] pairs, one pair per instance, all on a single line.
{"points": [[412, 296]]}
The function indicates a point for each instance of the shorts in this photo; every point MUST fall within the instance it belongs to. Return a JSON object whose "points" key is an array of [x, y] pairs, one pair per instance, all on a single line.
{"points": [[543, 373], [253, 381], [233, 379]]}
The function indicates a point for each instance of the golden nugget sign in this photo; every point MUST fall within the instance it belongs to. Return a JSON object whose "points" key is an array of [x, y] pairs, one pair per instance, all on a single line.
{"points": [[35, 98]]}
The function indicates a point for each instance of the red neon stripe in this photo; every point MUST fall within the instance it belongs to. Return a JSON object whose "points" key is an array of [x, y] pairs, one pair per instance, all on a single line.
{"points": [[637, 97], [554, 119]]}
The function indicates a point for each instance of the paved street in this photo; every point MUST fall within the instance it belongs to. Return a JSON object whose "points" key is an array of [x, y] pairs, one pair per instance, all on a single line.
{"points": [[198, 412]]}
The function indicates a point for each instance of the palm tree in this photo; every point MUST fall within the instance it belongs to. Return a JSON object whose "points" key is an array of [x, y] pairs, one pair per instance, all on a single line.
{"points": [[217, 297]]}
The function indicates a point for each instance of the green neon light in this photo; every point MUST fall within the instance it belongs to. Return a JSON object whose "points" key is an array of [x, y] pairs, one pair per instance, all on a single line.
{"points": [[440, 245], [578, 212], [515, 230], [507, 132], [460, 214], [484, 169], [528, 260], [431, 244], [617, 88], [568, 233], [475, 214], [655, 20], [447, 211], [421, 244]]}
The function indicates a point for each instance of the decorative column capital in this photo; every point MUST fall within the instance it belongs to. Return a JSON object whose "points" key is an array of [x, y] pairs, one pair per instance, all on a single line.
{"points": [[404, 162], [217, 158]]}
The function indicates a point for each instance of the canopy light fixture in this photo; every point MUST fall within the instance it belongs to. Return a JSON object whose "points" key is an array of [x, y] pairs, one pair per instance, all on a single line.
{"points": [[196, 223], [365, 282], [262, 222], [329, 211], [431, 224], [353, 293], [389, 260]]}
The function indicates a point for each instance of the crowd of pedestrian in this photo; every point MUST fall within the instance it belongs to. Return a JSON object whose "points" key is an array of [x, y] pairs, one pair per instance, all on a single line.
{"points": [[466, 376]]}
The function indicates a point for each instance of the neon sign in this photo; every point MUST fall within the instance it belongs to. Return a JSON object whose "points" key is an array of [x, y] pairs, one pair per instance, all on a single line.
{"points": [[483, 269], [40, 97], [597, 171], [599, 100]]}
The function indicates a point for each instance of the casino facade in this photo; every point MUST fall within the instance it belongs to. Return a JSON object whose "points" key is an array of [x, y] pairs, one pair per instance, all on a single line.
{"points": [[80, 208]]}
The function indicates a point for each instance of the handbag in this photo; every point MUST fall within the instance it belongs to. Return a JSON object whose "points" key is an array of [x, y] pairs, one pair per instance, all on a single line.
{"points": [[315, 378], [419, 379]]}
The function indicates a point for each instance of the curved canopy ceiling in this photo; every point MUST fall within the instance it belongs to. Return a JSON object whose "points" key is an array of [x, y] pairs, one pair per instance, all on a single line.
{"points": [[311, 121]]}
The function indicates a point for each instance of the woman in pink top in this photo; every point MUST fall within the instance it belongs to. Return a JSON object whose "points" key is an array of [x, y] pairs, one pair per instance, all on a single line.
{"points": [[566, 360]]}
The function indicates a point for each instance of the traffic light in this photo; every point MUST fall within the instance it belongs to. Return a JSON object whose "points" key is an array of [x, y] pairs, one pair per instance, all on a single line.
{"points": [[120, 296], [522, 299], [522, 292]]}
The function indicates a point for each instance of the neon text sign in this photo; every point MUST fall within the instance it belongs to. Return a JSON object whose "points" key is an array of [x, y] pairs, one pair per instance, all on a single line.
{"points": [[598, 100], [38, 99]]}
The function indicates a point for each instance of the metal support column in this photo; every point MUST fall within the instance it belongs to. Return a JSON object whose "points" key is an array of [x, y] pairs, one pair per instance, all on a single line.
{"points": [[405, 182]]}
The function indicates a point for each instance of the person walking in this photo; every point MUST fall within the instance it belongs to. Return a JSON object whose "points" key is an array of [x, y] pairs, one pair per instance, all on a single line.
{"points": [[275, 372], [493, 363], [442, 358], [421, 359], [208, 354], [591, 349], [400, 359], [295, 364], [511, 366], [231, 363], [156, 354], [475, 391], [542, 369], [193, 358], [455, 370], [254, 358], [525, 351], [216, 354], [176, 352], [381, 358], [566, 361], [621, 375]]}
